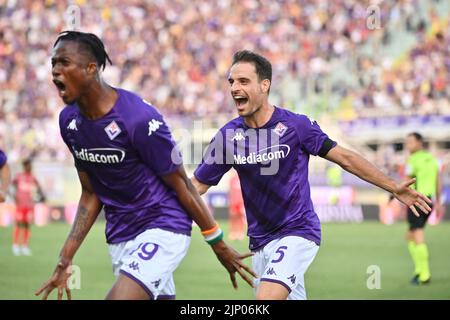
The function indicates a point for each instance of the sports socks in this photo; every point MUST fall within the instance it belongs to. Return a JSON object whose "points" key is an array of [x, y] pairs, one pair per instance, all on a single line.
{"points": [[419, 255], [422, 260]]}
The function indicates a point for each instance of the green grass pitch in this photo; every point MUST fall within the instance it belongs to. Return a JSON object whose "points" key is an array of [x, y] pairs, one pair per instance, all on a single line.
{"points": [[338, 272]]}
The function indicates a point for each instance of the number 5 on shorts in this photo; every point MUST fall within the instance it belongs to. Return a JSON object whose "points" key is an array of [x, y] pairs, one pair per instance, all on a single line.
{"points": [[281, 253]]}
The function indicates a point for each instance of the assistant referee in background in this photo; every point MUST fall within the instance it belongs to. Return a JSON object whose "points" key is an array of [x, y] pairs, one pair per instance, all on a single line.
{"points": [[423, 166]]}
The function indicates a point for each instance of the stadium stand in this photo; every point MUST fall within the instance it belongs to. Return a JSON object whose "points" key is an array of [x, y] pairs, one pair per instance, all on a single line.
{"points": [[327, 64]]}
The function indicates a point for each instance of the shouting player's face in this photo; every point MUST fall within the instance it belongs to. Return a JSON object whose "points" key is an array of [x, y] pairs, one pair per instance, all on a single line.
{"points": [[248, 92], [72, 71]]}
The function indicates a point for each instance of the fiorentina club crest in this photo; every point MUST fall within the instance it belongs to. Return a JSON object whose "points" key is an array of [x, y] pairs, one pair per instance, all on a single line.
{"points": [[280, 129], [112, 130]]}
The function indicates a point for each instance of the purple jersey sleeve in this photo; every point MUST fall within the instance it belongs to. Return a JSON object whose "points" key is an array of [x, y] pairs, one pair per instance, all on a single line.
{"points": [[154, 143], [3, 158], [62, 126], [214, 164], [310, 134]]}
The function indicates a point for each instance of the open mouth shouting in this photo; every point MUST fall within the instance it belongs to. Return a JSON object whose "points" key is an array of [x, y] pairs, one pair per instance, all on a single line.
{"points": [[61, 87], [240, 101]]}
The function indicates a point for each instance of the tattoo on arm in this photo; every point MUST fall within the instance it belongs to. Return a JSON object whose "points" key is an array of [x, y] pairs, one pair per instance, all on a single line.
{"points": [[79, 228]]}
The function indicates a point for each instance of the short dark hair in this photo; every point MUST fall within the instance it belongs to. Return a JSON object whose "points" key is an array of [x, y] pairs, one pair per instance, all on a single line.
{"points": [[416, 135], [90, 42], [262, 65]]}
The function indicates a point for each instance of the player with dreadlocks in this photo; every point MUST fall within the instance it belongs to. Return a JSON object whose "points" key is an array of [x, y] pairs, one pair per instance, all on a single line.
{"points": [[128, 164]]}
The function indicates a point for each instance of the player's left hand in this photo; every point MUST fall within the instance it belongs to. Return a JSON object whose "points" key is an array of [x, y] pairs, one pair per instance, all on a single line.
{"points": [[412, 198], [232, 261]]}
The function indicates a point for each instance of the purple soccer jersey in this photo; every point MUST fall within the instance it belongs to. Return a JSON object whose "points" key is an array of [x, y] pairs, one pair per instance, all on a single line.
{"points": [[3, 158], [272, 164], [124, 154]]}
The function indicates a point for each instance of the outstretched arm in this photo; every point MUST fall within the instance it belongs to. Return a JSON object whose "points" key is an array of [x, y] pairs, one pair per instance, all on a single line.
{"points": [[89, 207], [356, 164], [194, 205]]}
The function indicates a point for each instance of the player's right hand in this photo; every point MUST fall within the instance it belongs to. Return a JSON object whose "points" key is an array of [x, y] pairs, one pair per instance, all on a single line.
{"points": [[57, 280], [411, 198]]}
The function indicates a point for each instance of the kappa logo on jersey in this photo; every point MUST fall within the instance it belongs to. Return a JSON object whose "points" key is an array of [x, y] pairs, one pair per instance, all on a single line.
{"points": [[156, 283], [238, 137], [100, 155], [280, 129], [276, 152], [112, 130], [292, 278], [153, 125], [73, 125]]}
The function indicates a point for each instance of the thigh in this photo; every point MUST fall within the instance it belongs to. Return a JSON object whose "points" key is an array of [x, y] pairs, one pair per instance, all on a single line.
{"points": [[153, 257], [127, 288], [289, 259]]}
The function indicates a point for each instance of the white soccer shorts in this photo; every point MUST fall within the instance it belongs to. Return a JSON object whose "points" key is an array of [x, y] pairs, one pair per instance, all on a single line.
{"points": [[285, 261], [150, 259]]}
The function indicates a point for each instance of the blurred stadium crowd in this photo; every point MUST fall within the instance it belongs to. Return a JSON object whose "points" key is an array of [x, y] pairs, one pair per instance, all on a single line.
{"points": [[176, 54]]}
